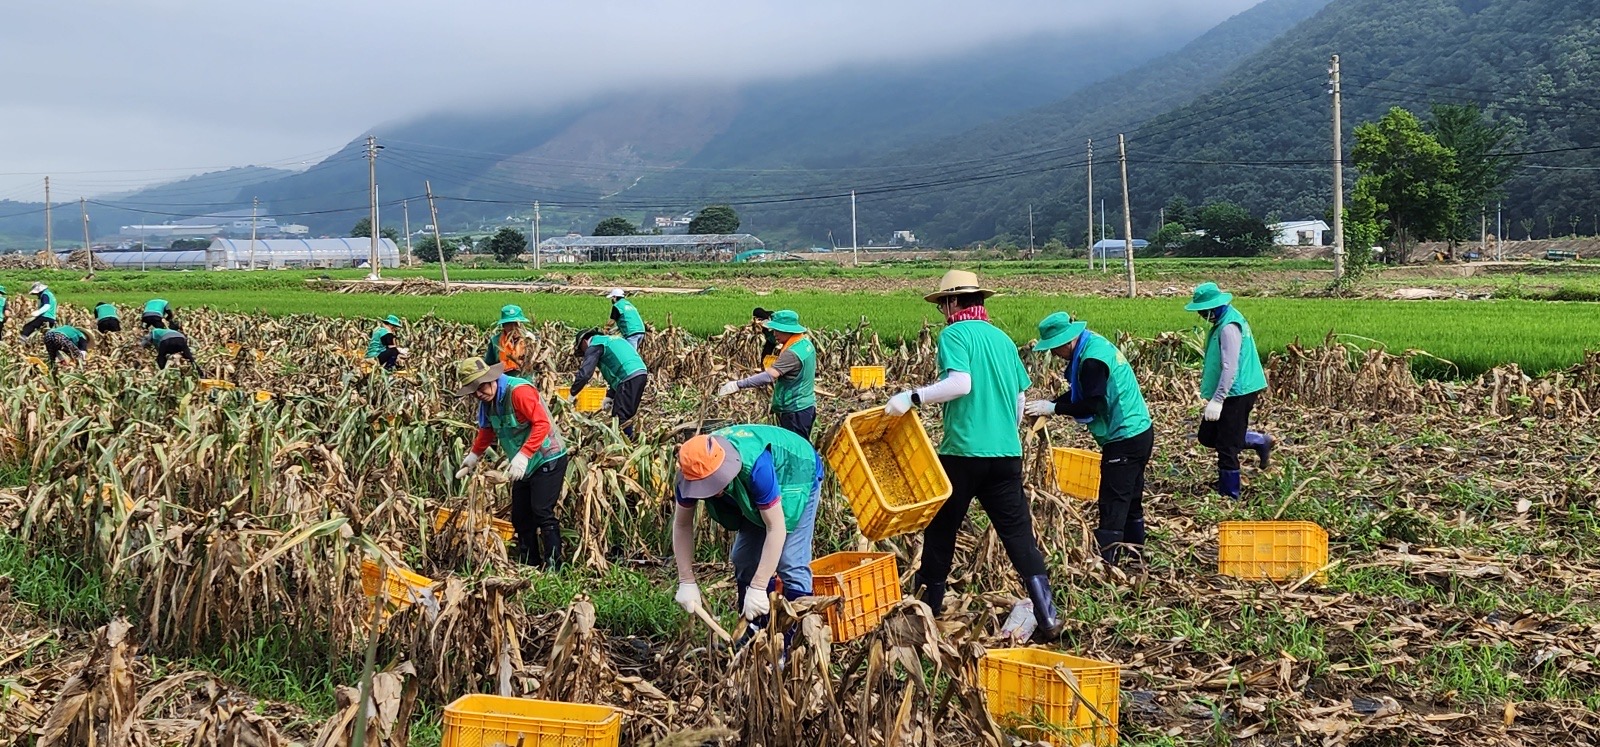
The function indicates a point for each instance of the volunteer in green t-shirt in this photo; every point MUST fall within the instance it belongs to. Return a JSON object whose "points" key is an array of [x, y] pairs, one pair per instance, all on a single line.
{"points": [[1103, 394], [982, 391], [105, 318], [383, 345], [793, 375], [622, 368], [630, 326], [1231, 382], [157, 314]]}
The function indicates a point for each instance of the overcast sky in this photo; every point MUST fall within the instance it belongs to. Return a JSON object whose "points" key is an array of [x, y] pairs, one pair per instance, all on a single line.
{"points": [[110, 94]]}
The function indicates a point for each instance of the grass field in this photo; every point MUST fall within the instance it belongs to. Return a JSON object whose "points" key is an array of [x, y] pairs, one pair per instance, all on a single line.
{"points": [[1463, 338]]}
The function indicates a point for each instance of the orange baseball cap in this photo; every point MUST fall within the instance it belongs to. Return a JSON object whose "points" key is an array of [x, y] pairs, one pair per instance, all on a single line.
{"points": [[706, 465]]}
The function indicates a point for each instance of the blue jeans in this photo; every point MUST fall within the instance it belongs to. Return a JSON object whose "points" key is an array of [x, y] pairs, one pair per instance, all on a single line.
{"points": [[634, 339], [794, 565]]}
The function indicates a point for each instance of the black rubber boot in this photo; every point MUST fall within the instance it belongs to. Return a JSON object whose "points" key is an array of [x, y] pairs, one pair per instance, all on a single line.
{"points": [[1108, 541], [1044, 609], [550, 539], [933, 595]]}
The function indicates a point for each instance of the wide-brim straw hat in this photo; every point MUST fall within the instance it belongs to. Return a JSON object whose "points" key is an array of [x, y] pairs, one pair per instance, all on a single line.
{"points": [[957, 283], [471, 372]]}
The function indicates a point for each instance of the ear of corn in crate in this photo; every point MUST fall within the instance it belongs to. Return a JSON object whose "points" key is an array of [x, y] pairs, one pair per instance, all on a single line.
{"points": [[1272, 550], [868, 584], [1047, 696], [889, 472], [493, 721]]}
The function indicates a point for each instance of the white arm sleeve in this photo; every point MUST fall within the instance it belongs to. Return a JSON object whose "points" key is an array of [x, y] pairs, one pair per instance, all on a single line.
{"points": [[958, 384], [1022, 401]]}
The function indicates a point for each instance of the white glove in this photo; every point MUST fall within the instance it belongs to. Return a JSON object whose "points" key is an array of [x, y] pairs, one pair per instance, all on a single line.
{"points": [[403, 351], [605, 404], [37, 313], [519, 467], [1039, 408], [467, 465], [689, 597], [898, 405], [1213, 411], [731, 387], [756, 603]]}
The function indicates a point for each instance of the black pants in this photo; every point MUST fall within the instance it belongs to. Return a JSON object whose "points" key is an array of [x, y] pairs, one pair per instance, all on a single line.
{"points": [[153, 320], [389, 358], [1122, 465], [37, 323], [799, 421], [1226, 434], [533, 512], [997, 484], [174, 346], [111, 324], [625, 401]]}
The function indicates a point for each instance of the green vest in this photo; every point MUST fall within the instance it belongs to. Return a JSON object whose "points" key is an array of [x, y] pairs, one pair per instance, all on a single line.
{"points": [[71, 333], [1123, 414], [47, 301], [512, 433], [1249, 377], [797, 391], [157, 334], [375, 346], [618, 359], [628, 323], [155, 306], [2, 306], [792, 458], [105, 311]]}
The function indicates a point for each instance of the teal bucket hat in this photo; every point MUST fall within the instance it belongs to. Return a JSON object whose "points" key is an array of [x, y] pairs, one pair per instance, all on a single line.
{"points": [[512, 313], [1056, 330], [393, 320], [1208, 296], [785, 321]]}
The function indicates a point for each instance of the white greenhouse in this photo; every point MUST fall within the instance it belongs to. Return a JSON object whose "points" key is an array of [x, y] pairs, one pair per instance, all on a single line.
{"points": [[237, 254]]}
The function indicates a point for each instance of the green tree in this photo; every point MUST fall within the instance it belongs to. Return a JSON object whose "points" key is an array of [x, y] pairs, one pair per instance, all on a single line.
{"points": [[615, 226], [363, 230], [1169, 238], [1409, 176], [715, 219], [507, 244], [1481, 172], [1230, 231], [427, 249], [1178, 211], [179, 245]]}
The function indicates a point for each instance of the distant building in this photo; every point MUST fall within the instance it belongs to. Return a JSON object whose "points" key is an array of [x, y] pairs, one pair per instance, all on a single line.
{"points": [[1117, 248], [713, 247], [237, 254], [1299, 233], [905, 238], [233, 223]]}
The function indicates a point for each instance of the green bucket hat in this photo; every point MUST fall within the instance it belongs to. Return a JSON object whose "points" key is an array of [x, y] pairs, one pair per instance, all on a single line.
{"points": [[1056, 330], [471, 372], [393, 321], [513, 313], [1208, 296], [785, 321], [2, 290]]}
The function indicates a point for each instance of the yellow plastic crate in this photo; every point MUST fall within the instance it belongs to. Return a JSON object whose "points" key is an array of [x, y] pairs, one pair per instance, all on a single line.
{"points": [[207, 385], [402, 586], [767, 362], [1077, 472], [589, 400], [867, 377], [1026, 693], [1276, 550], [869, 582], [889, 472], [493, 720], [441, 519]]}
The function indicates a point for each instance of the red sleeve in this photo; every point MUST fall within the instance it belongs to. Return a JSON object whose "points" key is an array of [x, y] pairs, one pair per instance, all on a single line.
{"points": [[484, 440], [530, 409]]}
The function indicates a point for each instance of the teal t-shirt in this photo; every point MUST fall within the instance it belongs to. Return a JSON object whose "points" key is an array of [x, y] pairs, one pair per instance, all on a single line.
{"points": [[983, 423]]}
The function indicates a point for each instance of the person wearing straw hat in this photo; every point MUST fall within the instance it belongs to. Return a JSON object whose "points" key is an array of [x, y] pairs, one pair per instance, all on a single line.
{"points": [[983, 388], [630, 326], [763, 483], [1103, 394], [67, 343], [509, 345], [769, 341], [512, 414], [1231, 382], [621, 367], [106, 320], [157, 313], [793, 375], [383, 346], [43, 317]]}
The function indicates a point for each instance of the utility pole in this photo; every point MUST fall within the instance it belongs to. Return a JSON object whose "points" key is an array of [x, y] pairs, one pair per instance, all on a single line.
{"points": [[1338, 172], [438, 243], [1091, 205], [1483, 233], [142, 249], [255, 204], [1127, 219], [88, 248], [536, 258], [1030, 231], [49, 246], [405, 218], [372, 219], [855, 248], [1103, 266], [1499, 232]]}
